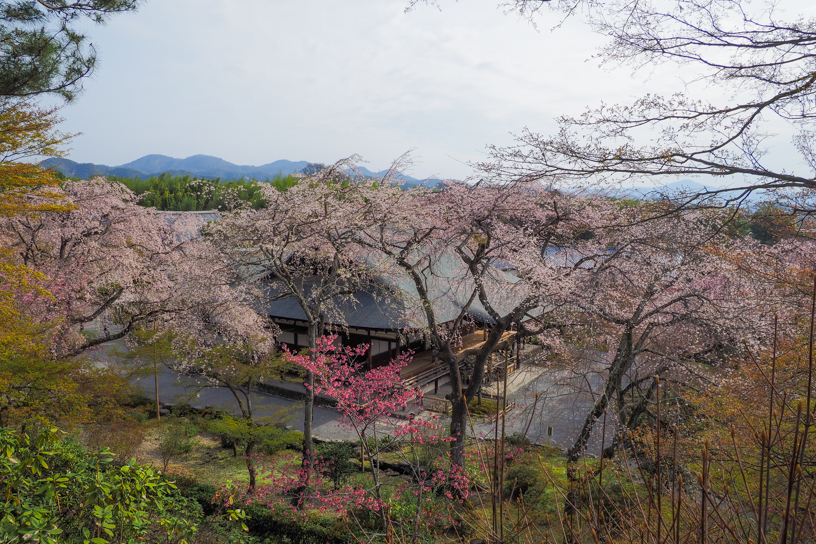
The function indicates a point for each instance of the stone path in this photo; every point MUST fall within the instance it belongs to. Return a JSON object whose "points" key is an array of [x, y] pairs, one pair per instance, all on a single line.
{"points": [[175, 389], [558, 405]]}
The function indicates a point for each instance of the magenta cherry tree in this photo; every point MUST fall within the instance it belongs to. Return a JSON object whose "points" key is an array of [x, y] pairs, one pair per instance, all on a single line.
{"points": [[370, 402], [363, 398]]}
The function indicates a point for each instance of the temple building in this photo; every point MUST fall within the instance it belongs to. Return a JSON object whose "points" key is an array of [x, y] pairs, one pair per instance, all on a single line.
{"points": [[388, 317]]}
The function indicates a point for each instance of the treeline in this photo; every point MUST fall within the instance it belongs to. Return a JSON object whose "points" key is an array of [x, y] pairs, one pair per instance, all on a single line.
{"points": [[768, 223], [183, 193], [168, 192]]}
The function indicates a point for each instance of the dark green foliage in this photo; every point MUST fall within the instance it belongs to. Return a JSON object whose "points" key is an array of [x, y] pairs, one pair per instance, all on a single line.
{"points": [[203, 494], [269, 439], [335, 461], [519, 480], [41, 50], [273, 439], [264, 522], [518, 439], [770, 224], [281, 183], [182, 193]]}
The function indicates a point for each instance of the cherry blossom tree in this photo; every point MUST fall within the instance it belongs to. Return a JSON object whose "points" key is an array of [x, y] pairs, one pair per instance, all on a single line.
{"points": [[664, 297], [362, 398], [475, 250], [369, 399], [109, 261], [302, 246]]}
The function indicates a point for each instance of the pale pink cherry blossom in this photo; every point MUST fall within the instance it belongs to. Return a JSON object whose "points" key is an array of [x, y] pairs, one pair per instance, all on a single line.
{"points": [[665, 297], [112, 262], [302, 246], [483, 252]]}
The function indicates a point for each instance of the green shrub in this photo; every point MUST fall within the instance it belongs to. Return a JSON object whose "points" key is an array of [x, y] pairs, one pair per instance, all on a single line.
{"points": [[264, 522], [336, 463], [269, 439], [520, 480], [138, 400], [518, 440], [67, 495], [272, 440], [203, 494], [483, 408], [176, 438]]}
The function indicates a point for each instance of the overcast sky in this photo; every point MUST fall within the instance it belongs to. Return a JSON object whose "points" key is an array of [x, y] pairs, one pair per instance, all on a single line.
{"points": [[257, 81]]}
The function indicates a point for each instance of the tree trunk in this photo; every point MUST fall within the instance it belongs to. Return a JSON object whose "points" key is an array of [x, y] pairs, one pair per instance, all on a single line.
{"points": [[458, 427], [577, 449], [246, 412], [623, 360], [308, 420], [308, 410], [156, 383], [460, 397], [250, 464]]}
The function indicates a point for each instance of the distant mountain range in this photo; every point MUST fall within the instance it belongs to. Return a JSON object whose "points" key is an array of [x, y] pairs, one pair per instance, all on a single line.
{"points": [[202, 166], [678, 190]]}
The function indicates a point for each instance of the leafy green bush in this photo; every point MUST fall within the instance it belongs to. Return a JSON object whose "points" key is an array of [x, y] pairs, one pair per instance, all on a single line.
{"points": [[203, 494], [57, 492], [518, 439], [273, 439], [483, 408], [235, 433], [265, 522], [519, 480], [335, 461]]}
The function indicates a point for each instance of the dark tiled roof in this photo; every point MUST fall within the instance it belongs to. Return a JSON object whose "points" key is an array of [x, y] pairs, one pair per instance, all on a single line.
{"points": [[364, 310], [393, 302]]}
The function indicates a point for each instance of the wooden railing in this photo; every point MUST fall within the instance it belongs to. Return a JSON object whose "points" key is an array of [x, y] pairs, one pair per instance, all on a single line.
{"points": [[425, 377], [443, 406]]}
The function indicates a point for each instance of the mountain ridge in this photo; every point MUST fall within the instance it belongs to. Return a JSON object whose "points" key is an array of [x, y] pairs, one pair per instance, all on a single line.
{"points": [[206, 166]]}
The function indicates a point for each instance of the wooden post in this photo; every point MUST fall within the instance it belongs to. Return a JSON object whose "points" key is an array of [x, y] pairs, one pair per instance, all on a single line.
{"points": [[156, 378], [503, 440], [518, 351], [370, 350]]}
